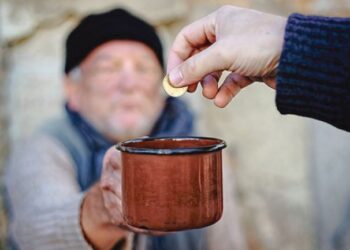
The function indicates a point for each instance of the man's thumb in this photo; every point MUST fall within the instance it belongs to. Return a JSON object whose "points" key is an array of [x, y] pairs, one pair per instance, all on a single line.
{"points": [[196, 67]]}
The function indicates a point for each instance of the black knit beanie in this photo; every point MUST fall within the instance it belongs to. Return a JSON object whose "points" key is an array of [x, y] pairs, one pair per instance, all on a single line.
{"points": [[96, 29]]}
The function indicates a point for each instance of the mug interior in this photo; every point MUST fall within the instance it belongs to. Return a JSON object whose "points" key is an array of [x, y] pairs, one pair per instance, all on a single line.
{"points": [[172, 145]]}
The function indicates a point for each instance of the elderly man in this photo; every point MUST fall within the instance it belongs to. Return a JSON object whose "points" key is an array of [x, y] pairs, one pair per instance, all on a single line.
{"points": [[113, 69]]}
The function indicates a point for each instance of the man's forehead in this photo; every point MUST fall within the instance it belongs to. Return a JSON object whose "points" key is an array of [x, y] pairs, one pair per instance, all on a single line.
{"points": [[108, 57], [112, 49]]}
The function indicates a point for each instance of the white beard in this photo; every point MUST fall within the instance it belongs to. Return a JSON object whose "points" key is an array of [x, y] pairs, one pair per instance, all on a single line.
{"points": [[114, 129], [142, 128]]}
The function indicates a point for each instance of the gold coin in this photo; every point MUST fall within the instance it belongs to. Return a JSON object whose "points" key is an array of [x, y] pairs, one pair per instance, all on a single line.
{"points": [[172, 91]]}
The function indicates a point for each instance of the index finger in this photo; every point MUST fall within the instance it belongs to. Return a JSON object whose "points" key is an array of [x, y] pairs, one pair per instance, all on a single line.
{"points": [[112, 158], [195, 35]]}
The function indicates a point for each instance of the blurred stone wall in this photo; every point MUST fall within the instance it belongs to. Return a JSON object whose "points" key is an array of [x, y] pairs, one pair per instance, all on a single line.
{"points": [[279, 169]]}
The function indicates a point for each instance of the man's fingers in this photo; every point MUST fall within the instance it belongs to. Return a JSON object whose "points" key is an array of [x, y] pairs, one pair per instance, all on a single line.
{"points": [[112, 159], [195, 68], [113, 205], [226, 92], [111, 181], [270, 81], [110, 178], [230, 88], [112, 201], [192, 88], [210, 85], [191, 38], [111, 172]]}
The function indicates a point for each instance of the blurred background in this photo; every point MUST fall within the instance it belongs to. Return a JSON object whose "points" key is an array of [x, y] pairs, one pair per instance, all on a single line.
{"points": [[291, 173]]}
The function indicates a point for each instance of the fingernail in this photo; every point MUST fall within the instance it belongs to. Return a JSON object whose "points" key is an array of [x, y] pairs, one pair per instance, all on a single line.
{"points": [[175, 77]]}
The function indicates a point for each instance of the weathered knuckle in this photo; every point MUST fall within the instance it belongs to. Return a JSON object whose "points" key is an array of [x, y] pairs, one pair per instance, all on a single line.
{"points": [[191, 66]]}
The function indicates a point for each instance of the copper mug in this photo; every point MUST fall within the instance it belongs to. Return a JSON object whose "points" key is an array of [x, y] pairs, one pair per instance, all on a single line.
{"points": [[172, 184]]}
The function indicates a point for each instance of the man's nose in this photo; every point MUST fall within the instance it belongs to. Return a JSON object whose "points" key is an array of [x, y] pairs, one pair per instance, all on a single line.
{"points": [[128, 79]]}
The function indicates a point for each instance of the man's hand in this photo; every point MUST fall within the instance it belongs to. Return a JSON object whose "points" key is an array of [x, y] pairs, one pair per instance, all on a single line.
{"points": [[111, 186], [95, 221], [102, 230], [112, 191], [245, 42], [101, 213]]}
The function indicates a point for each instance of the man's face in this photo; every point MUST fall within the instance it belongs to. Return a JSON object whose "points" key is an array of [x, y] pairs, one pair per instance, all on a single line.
{"points": [[119, 89]]}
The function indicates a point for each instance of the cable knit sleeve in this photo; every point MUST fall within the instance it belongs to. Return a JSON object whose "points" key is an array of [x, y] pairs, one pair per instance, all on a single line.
{"points": [[314, 73], [44, 197]]}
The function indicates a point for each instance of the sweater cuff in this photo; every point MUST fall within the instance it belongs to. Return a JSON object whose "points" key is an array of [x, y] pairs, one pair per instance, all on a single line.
{"points": [[313, 73]]}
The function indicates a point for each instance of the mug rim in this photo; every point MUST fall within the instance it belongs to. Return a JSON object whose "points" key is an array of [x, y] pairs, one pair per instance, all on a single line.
{"points": [[219, 145]]}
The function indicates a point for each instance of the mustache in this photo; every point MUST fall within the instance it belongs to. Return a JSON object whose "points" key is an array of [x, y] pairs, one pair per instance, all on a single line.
{"points": [[136, 100]]}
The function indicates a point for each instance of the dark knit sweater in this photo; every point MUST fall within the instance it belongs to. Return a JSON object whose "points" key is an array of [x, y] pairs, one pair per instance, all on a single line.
{"points": [[314, 72]]}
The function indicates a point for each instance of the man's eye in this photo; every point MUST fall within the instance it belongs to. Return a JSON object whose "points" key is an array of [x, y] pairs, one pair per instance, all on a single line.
{"points": [[108, 68], [143, 68]]}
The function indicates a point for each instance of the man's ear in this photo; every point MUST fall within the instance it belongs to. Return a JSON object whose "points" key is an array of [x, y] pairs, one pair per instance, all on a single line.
{"points": [[71, 91]]}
